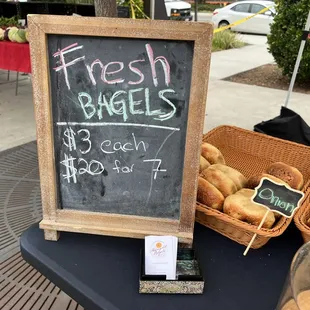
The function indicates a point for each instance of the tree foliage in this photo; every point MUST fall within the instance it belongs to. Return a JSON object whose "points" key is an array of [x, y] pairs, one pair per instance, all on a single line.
{"points": [[286, 34]]}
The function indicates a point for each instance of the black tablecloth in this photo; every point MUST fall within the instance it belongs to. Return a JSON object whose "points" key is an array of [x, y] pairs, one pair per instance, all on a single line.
{"points": [[103, 272]]}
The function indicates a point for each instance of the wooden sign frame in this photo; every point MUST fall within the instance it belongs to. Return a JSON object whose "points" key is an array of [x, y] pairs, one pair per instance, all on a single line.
{"points": [[56, 219]]}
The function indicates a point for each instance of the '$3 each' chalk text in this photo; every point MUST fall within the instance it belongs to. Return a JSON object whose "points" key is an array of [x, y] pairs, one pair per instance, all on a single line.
{"points": [[79, 166]]}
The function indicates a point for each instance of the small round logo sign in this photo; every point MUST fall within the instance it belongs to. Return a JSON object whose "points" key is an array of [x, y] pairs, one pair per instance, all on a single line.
{"points": [[158, 249]]}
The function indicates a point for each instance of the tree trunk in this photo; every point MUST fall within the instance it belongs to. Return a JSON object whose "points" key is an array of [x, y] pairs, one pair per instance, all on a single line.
{"points": [[105, 8]]}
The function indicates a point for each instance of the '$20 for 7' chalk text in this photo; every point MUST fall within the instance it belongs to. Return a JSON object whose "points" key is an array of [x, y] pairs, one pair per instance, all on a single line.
{"points": [[95, 167]]}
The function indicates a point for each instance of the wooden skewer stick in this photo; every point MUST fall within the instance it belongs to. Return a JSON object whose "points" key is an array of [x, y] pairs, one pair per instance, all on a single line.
{"points": [[255, 235]]}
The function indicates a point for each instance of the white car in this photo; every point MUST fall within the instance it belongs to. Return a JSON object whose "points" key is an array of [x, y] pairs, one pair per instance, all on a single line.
{"points": [[238, 10]]}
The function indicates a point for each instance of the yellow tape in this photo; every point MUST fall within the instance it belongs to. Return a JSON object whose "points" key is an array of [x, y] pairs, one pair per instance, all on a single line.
{"points": [[133, 14], [132, 3], [238, 22]]}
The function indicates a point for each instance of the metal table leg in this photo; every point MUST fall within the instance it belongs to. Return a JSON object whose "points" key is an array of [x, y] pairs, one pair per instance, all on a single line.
{"points": [[16, 89]]}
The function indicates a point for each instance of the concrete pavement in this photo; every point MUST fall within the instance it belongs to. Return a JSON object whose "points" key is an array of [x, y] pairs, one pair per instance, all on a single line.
{"points": [[247, 105], [254, 39], [231, 62], [17, 122], [227, 103]]}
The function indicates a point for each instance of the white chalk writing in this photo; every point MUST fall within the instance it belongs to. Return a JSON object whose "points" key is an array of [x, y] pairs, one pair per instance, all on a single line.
{"points": [[86, 139], [123, 169], [88, 167], [157, 169], [71, 171], [115, 124], [133, 102], [94, 167], [124, 147], [70, 141]]}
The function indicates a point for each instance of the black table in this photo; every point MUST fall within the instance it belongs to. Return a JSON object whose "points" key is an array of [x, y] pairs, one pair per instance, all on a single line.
{"points": [[103, 272]]}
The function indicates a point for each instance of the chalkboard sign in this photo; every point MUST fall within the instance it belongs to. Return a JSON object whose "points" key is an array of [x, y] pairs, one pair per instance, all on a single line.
{"points": [[278, 197], [119, 138], [119, 109]]}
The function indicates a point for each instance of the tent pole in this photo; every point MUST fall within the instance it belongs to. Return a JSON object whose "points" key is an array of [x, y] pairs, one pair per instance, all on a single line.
{"points": [[301, 49], [152, 9]]}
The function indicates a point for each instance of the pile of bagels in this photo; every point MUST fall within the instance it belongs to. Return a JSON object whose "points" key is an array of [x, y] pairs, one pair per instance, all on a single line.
{"points": [[227, 190]]}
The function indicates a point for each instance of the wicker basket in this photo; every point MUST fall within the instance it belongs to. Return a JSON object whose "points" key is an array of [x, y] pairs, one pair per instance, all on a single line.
{"points": [[301, 217], [250, 153]]}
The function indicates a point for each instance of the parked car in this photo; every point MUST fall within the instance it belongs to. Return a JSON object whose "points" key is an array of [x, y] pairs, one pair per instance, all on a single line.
{"points": [[238, 10], [178, 10]]}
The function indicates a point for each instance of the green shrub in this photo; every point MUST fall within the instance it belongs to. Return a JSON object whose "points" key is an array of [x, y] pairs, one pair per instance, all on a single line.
{"points": [[225, 40], [206, 7], [285, 37], [9, 22]]}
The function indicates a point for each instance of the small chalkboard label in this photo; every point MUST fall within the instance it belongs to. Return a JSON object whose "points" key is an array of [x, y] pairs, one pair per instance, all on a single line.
{"points": [[277, 197]]}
